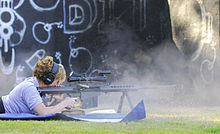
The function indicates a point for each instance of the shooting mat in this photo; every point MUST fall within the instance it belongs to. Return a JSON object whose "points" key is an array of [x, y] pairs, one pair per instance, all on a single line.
{"points": [[137, 113]]}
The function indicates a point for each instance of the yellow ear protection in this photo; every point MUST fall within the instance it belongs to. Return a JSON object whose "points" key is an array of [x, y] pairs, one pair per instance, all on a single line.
{"points": [[50, 76]]}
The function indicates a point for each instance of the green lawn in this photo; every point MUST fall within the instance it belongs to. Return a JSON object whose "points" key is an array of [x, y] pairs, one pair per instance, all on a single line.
{"points": [[146, 126], [158, 121]]}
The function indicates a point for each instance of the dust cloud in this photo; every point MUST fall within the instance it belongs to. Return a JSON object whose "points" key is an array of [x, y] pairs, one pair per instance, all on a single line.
{"points": [[170, 78]]}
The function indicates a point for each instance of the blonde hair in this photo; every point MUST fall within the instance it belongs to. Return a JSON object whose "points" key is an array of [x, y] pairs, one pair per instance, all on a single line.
{"points": [[45, 65]]}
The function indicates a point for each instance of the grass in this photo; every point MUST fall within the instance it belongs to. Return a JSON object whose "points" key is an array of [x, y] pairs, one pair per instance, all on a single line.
{"points": [[146, 126], [158, 121]]}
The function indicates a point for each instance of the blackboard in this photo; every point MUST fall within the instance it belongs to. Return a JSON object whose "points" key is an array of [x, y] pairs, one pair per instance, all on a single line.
{"points": [[83, 35]]}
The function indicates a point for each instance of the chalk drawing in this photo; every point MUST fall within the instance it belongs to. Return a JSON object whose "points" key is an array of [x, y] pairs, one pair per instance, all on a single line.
{"points": [[79, 15], [19, 79], [58, 57], [19, 4], [143, 11], [8, 32], [38, 8], [47, 27], [31, 62], [8, 69], [206, 43], [207, 22], [111, 6], [208, 65], [74, 52], [138, 10]]}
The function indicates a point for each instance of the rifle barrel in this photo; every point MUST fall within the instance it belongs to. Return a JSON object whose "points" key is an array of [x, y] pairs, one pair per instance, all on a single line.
{"points": [[108, 88], [77, 89]]}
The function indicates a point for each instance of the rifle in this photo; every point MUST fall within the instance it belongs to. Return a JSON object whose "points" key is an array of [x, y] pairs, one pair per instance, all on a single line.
{"points": [[79, 89], [86, 88]]}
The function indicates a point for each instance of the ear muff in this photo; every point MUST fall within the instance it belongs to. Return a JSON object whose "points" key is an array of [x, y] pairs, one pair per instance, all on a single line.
{"points": [[50, 76]]}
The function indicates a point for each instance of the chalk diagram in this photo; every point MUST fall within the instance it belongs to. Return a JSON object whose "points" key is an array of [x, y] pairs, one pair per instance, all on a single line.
{"points": [[208, 44], [39, 8], [79, 16], [74, 54], [58, 57], [46, 27], [194, 36], [12, 29]]}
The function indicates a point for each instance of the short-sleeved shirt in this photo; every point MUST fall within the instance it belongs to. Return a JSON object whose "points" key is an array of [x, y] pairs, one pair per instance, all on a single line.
{"points": [[23, 98]]}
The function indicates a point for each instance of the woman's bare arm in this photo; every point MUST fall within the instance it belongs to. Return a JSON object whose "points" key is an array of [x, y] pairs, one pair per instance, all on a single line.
{"points": [[41, 109]]}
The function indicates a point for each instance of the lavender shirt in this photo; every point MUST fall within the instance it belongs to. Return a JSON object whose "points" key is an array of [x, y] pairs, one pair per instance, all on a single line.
{"points": [[23, 98]]}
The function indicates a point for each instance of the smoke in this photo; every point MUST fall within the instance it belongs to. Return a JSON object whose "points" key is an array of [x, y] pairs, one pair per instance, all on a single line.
{"points": [[137, 62], [196, 35], [175, 80]]}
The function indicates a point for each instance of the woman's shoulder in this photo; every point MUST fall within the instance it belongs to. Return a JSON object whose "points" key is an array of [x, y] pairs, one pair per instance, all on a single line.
{"points": [[31, 81], [27, 83]]}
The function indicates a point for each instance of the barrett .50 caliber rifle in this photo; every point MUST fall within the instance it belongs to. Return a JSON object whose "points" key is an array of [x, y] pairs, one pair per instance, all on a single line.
{"points": [[84, 93], [88, 92]]}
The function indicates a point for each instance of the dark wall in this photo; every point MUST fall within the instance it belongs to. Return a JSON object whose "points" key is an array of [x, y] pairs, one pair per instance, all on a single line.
{"points": [[84, 35]]}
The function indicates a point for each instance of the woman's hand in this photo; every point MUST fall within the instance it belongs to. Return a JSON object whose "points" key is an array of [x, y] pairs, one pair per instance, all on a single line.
{"points": [[71, 102]]}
